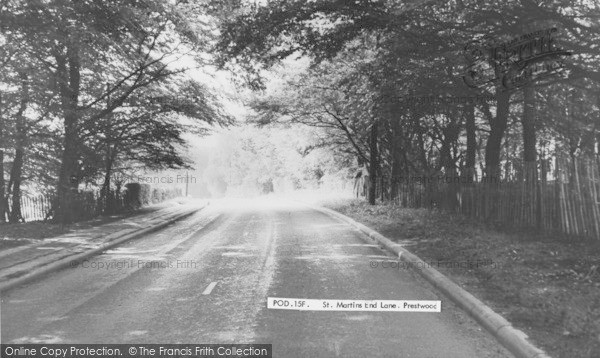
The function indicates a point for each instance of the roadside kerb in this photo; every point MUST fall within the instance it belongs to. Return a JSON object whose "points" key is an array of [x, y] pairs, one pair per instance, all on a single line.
{"points": [[513, 339], [114, 239]]}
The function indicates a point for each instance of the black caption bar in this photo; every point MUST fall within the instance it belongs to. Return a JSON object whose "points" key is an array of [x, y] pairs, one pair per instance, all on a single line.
{"points": [[137, 350]]}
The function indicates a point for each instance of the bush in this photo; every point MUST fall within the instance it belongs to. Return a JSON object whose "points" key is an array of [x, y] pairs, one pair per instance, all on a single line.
{"points": [[133, 195], [138, 195], [82, 206], [157, 195], [145, 194]]}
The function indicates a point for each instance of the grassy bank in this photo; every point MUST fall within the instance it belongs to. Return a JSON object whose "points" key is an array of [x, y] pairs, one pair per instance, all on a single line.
{"points": [[547, 286]]}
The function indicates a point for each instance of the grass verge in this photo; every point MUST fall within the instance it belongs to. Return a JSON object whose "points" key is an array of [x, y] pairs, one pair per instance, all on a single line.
{"points": [[548, 286]]}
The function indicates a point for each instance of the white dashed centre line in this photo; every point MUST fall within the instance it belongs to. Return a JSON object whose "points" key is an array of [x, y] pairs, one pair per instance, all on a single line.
{"points": [[209, 288]]}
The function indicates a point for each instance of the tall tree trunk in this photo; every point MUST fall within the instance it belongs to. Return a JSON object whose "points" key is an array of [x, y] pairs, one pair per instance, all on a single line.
{"points": [[69, 84], [3, 203], [451, 133], [107, 199], [16, 172], [493, 146], [532, 193], [105, 191], [373, 161], [396, 157], [107, 205], [422, 152], [528, 122], [471, 153], [16, 175]]}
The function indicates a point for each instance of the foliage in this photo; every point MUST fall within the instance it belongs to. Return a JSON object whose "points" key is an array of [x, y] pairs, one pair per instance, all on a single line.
{"points": [[401, 68], [107, 88]]}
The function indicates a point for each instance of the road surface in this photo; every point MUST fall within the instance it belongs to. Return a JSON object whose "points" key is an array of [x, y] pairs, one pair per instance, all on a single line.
{"points": [[206, 279]]}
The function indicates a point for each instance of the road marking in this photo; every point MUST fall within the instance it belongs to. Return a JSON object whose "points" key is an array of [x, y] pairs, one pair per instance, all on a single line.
{"points": [[209, 288]]}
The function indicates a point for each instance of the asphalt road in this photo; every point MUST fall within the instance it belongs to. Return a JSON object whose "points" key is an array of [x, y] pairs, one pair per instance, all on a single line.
{"points": [[206, 279]]}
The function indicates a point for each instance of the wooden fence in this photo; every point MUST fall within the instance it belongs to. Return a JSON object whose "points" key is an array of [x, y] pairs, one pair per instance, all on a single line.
{"points": [[85, 205], [561, 195], [34, 208]]}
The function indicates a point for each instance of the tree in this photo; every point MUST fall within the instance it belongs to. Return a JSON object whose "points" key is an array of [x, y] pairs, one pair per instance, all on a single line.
{"points": [[86, 45], [148, 129], [418, 52]]}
